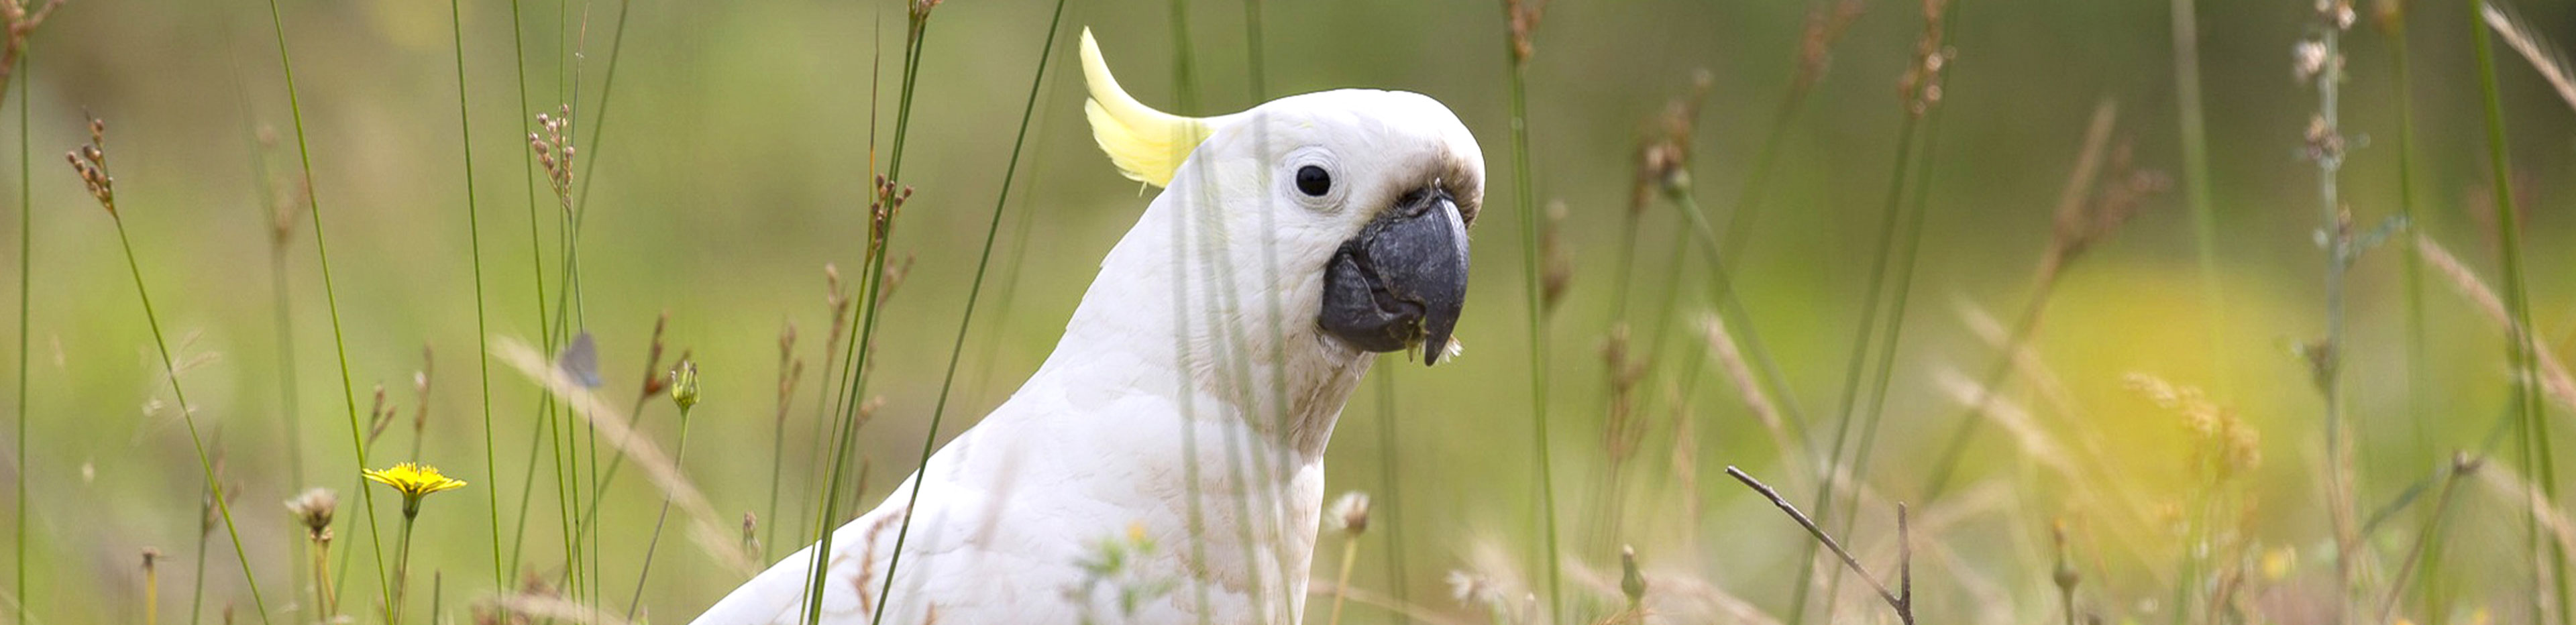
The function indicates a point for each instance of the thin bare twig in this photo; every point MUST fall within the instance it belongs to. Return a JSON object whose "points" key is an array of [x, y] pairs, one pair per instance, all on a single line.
{"points": [[1902, 601]]}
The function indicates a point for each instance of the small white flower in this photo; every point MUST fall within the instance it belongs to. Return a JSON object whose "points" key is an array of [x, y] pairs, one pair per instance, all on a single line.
{"points": [[1469, 589], [1353, 511]]}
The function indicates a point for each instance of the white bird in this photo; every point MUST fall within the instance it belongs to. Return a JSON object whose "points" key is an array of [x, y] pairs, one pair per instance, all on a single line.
{"points": [[1166, 464]]}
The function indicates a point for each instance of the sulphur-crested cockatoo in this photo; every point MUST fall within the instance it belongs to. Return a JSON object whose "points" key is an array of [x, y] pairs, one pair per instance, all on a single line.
{"points": [[1166, 464]]}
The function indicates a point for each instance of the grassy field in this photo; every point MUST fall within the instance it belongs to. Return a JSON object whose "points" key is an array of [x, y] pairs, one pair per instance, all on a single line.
{"points": [[2142, 311]]}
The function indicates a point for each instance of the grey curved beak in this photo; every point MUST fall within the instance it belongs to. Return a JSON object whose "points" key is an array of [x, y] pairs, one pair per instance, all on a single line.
{"points": [[1402, 280]]}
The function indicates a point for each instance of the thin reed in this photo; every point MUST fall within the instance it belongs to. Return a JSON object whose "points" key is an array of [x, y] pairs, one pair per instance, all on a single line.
{"points": [[1522, 19], [2532, 430], [330, 297], [90, 162]]}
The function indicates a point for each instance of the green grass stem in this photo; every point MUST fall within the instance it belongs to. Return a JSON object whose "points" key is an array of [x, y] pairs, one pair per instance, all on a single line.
{"points": [[1525, 203], [187, 415], [2538, 464], [322, 251], [26, 289], [2195, 164], [966, 319], [862, 341], [474, 234]]}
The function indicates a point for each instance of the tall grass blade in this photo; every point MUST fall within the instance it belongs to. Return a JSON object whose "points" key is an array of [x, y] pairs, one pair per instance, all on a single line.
{"points": [[862, 342], [2533, 433], [1520, 20], [2419, 385], [169, 368], [1901, 214], [474, 234], [543, 423], [26, 285], [2544, 58], [966, 319], [1390, 483], [322, 251], [2195, 163]]}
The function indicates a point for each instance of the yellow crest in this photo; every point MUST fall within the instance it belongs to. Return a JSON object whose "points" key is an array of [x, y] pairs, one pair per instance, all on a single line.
{"points": [[1146, 144]]}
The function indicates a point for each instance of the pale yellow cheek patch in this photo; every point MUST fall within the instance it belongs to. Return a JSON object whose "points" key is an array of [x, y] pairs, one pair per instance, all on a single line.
{"points": [[1147, 145]]}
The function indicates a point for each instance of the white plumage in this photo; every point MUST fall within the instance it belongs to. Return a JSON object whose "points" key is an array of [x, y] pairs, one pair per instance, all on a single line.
{"points": [[1173, 368]]}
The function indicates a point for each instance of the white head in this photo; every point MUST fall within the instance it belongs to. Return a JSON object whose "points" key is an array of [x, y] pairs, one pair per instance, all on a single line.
{"points": [[1343, 211]]}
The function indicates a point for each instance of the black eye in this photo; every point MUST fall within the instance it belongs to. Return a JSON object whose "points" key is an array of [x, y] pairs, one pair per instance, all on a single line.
{"points": [[1312, 181]]}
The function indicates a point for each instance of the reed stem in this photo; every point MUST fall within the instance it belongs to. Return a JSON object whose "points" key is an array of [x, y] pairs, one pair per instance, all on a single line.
{"points": [[1390, 477], [339, 341], [2195, 162], [1525, 202], [474, 234], [26, 276], [187, 415], [2538, 464]]}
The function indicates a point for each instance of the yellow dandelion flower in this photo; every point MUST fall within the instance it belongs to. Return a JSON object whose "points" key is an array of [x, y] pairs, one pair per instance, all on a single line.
{"points": [[414, 481]]}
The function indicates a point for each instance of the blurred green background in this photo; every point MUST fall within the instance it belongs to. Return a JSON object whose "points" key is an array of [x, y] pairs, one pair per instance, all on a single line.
{"points": [[731, 162]]}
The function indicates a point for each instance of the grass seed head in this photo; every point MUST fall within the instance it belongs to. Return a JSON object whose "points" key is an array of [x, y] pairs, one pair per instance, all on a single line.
{"points": [[655, 378], [1352, 510], [314, 508], [1523, 16], [1920, 88], [1663, 158], [1815, 48], [90, 162]]}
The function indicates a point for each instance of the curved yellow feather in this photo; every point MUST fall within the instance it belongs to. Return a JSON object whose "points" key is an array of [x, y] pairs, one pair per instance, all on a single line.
{"points": [[1146, 144]]}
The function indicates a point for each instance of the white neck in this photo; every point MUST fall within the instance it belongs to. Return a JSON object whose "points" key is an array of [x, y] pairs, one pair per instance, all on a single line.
{"points": [[1242, 343]]}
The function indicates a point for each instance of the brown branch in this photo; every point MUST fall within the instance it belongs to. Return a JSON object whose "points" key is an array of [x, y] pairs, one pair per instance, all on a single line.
{"points": [[1902, 601]]}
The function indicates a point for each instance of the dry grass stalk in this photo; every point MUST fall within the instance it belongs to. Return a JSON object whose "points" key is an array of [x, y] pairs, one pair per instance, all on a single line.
{"points": [[1815, 48], [2070, 220], [1721, 345], [1623, 431], [2106, 489], [2034, 441], [553, 608], [420, 401], [655, 377], [1920, 88], [1685, 469], [379, 415], [2026, 362], [709, 531], [20, 23], [1720, 605], [2087, 213], [2544, 58], [2462, 466], [1374, 599], [2512, 486], [1556, 273], [2555, 380]]}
